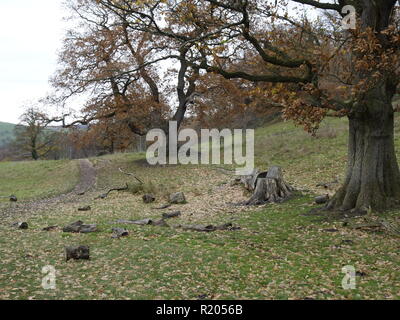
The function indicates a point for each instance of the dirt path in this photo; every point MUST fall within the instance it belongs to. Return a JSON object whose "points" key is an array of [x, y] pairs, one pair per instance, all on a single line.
{"points": [[87, 181]]}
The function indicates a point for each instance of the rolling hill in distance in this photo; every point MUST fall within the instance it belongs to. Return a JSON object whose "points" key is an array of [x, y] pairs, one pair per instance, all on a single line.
{"points": [[6, 132]]}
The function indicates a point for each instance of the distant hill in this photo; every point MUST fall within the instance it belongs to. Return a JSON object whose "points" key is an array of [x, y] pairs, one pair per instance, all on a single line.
{"points": [[6, 132]]}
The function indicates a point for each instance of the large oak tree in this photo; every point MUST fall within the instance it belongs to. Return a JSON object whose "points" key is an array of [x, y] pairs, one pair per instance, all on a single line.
{"points": [[313, 67], [365, 62]]}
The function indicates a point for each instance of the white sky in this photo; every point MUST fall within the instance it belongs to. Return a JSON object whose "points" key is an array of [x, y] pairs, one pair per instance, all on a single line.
{"points": [[30, 35]]}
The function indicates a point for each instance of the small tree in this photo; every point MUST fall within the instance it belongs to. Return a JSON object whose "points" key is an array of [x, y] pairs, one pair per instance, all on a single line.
{"points": [[31, 136]]}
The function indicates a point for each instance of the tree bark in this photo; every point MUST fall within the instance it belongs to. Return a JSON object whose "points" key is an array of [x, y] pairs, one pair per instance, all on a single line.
{"points": [[77, 253], [373, 177], [269, 187]]}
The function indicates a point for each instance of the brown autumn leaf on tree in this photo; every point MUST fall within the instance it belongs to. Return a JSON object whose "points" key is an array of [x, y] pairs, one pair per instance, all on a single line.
{"points": [[311, 67]]}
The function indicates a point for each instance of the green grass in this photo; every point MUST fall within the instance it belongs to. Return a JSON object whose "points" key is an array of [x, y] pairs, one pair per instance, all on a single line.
{"points": [[37, 179], [278, 254]]}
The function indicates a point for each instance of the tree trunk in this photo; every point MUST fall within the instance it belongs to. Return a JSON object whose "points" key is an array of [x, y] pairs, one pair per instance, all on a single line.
{"points": [[270, 187], [373, 178]]}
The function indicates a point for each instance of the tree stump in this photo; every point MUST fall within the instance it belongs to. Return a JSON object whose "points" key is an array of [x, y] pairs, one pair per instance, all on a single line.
{"points": [[269, 187], [77, 253], [177, 198], [149, 198]]}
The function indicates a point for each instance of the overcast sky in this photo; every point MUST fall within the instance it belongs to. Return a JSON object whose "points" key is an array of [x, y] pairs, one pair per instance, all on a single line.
{"points": [[31, 32]]}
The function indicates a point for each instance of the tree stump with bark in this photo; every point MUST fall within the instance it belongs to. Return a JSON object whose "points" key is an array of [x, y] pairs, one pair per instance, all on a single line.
{"points": [[177, 198], [77, 253], [149, 198], [267, 187]]}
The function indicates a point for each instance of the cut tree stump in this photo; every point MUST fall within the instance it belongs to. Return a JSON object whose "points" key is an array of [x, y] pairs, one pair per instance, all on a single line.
{"points": [[177, 198], [149, 198], [77, 253], [269, 186]]}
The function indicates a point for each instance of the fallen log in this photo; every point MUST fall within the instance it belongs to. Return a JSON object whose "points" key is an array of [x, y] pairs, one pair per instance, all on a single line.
{"points": [[87, 208], [143, 222], [21, 225], [105, 195], [170, 215], [159, 223], [132, 175], [50, 228], [77, 253], [80, 227], [119, 233], [162, 223], [207, 228], [12, 198], [165, 206]]}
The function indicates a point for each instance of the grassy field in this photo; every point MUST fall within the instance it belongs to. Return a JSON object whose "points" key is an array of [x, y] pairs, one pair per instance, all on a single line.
{"points": [[37, 179], [279, 253]]}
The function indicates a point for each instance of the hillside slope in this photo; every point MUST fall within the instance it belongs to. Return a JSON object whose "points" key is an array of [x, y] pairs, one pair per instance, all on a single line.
{"points": [[279, 252], [6, 132]]}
